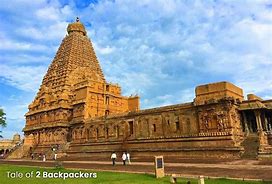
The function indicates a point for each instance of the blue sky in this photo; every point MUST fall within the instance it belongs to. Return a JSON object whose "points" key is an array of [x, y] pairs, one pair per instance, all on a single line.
{"points": [[158, 49]]}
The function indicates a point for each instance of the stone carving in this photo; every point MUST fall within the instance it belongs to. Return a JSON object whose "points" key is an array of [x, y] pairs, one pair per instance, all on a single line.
{"points": [[214, 119], [205, 118], [221, 119]]}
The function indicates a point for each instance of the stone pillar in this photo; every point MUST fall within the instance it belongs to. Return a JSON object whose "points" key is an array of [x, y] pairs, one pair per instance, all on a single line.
{"points": [[117, 131], [245, 122], [265, 122], [269, 123], [38, 137], [87, 132], [258, 120]]}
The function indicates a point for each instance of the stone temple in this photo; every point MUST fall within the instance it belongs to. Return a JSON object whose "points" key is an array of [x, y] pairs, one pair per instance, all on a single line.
{"points": [[7, 145], [78, 110]]}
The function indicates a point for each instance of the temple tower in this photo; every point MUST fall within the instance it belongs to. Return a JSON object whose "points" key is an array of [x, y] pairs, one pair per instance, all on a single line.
{"points": [[74, 89]]}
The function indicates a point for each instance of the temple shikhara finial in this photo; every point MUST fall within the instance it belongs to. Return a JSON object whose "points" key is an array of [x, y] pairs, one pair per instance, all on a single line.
{"points": [[76, 27], [78, 110]]}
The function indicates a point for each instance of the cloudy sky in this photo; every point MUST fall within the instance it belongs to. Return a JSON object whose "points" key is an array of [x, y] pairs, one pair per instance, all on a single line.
{"points": [[159, 49]]}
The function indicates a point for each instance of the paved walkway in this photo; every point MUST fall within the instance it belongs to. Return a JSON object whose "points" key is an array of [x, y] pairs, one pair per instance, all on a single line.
{"points": [[243, 164], [236, 169]]}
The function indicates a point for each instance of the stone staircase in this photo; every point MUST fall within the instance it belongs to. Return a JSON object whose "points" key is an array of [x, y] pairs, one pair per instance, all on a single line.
{"points": [[20, 152], [251, 146]]}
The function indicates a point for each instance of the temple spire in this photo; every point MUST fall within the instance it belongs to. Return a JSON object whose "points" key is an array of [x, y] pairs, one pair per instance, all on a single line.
{"points": [[76, 27]]}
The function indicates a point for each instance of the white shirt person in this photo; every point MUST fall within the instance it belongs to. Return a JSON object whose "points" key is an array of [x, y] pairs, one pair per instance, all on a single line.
{"points": [[113, 158], [124, 158], [128, 158]]}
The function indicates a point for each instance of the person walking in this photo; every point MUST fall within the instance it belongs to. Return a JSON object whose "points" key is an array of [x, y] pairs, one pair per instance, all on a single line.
{"points": [[44, 157], [113, 158], [32, 156], [55, 156], [124, 158], [128, 158]]}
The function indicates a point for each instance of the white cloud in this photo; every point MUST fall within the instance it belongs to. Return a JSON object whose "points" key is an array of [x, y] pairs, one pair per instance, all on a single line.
{"points": [[48, 13], [104, 50], [25, 58], [7, 44], [178, 97], [27, 78]]}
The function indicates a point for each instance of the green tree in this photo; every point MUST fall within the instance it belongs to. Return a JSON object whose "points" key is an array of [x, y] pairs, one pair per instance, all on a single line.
{"points": [[2, 120]]}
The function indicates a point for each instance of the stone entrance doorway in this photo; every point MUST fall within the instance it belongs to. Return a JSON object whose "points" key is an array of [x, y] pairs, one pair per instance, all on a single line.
{"points": [[249, 122], [250, 128], [256, 120], [255, 124]]}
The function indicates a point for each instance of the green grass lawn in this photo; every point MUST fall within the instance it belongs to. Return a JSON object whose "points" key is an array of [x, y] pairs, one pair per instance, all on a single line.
{"points": [[102, 177]]}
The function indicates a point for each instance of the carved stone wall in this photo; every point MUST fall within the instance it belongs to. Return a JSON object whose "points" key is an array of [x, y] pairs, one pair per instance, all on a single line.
{"points": [[157, 124]]}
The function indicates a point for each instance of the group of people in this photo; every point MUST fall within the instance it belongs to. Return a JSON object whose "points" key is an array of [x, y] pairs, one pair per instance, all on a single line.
{"points": [[42, 156], [125, 158]]}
